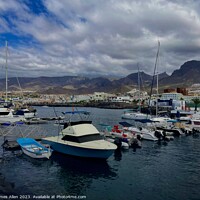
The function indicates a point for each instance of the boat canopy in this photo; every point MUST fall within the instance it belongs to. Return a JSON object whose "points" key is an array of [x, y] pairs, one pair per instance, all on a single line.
{"points": [[144, 120], [125, 124], [80, 130], [76, 123]]}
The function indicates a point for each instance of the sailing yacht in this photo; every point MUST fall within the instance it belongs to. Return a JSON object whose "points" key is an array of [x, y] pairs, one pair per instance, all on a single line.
{"points": [[6, 113], [136, 115]]}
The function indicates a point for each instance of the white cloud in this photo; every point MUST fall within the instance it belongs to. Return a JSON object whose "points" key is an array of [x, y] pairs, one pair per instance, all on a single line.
{"points": [[102, 37]]}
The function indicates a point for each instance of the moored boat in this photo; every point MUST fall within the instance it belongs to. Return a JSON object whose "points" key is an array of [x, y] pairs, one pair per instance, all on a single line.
{"points": [[195, 124], [26, 113], [145, 133], [135, 116], [6, 115], [82, 139], [33, 148]]}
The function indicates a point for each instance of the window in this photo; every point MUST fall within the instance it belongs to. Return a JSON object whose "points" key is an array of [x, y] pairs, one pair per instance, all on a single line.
{"points": [[84, 138]]}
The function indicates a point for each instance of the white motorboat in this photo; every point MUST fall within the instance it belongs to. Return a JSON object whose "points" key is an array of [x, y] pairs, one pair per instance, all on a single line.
{"points": [[123, 145], [172, 130], [82, 139], [145, 134], [195, 124], [135, 116], [121, 137], [6, 115], [116, 132], [26, 113]]}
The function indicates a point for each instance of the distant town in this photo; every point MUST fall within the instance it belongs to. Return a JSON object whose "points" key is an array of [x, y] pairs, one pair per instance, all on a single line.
{"points": [[181, 97]]}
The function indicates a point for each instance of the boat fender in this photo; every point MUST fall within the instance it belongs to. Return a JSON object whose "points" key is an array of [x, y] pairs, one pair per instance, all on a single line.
{"points": [[124, 135]]}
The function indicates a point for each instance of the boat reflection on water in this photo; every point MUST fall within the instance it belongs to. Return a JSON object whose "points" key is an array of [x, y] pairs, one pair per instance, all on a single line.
{"points": [[118, 154], [76, 174], [61, 174], [94, 167]]}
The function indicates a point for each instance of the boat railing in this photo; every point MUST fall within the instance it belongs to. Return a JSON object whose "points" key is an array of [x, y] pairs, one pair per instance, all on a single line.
{"points": [[11, 133]]}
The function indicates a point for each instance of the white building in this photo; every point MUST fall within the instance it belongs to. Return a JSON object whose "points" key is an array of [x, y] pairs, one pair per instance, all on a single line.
{"points": [[101, 96], [136, 94], [174, 96], [178, 105], [126, 99], [79, 98], [178, 96]]}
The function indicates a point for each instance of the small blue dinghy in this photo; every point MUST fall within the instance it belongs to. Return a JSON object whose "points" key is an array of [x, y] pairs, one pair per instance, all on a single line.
{"points": [[33, 148]]}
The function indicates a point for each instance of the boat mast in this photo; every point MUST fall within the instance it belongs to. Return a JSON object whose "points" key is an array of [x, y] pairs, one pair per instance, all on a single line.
{"points": [[139, 88], [6, 99], [157, 78], [155, 67], [157, 97]]}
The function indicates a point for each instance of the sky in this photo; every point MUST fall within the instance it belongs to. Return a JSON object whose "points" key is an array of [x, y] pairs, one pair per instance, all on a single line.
{"points": [[97, 37]]}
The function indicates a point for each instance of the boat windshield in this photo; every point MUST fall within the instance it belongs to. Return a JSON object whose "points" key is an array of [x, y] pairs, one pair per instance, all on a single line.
{"points": [[84, 138], [4, 113]]}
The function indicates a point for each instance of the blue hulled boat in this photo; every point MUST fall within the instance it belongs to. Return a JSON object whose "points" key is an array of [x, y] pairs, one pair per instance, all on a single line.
{"points": [[33, 148], [82, 139]]}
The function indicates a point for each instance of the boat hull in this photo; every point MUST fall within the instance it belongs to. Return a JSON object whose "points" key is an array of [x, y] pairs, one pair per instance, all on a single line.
{"points": [[79, 151], [135, 116], [195, 124], [149, 137], [35, 155], [11, 119]]}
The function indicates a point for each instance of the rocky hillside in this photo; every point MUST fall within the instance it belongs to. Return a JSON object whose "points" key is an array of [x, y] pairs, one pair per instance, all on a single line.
{"points": [[188, 74]]}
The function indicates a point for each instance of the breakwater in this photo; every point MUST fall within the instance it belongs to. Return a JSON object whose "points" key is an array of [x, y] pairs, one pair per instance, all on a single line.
{"points": [[107, 105]]}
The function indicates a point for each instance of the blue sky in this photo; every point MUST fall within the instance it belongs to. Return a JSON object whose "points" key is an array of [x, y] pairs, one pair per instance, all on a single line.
{"points": [[97, 38]]}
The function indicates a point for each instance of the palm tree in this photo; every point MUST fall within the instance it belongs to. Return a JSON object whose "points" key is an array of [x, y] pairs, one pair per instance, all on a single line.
{"points": [[196, 102]]}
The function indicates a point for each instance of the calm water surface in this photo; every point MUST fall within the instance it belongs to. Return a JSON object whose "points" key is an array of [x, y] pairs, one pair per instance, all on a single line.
{"points": [[157, 172]]}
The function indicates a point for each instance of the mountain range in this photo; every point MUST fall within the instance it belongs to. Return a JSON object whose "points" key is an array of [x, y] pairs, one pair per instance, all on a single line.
{"points": [[187, 75]]}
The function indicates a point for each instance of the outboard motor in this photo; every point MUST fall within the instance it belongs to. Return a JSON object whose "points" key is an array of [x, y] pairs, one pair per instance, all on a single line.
{"points": [[118, 142], [165, 138], [135, 143], [158, 135], [139, 137]]}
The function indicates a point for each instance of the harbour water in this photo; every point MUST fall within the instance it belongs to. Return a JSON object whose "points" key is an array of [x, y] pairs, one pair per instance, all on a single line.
{"points": [[154, 172]]}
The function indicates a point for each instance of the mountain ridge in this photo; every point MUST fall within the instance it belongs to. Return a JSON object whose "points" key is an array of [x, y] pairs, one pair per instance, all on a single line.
{"points": [[185, 76]]}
